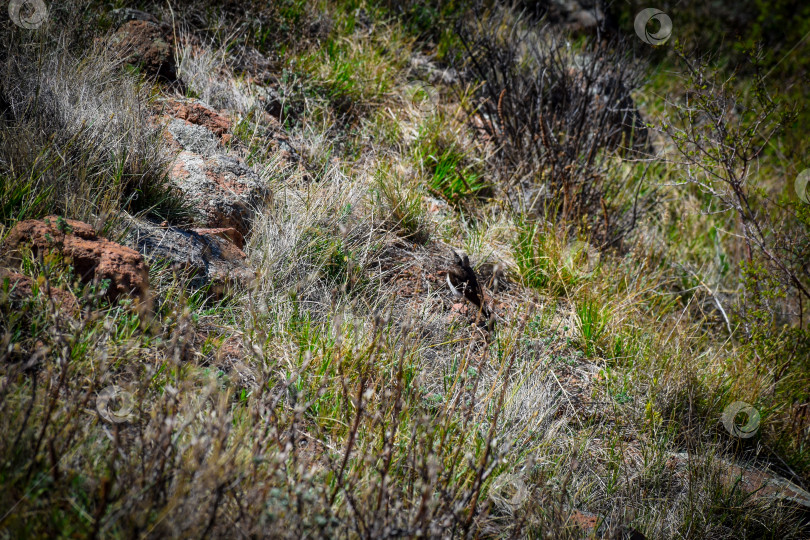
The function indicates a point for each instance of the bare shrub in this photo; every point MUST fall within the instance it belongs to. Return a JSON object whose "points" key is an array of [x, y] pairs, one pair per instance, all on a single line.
{"points": [[721, 137], [194, 457], [557, 116]]}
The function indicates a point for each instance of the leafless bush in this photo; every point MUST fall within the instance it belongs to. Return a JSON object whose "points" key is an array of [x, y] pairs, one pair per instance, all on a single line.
{"points": [[721, 137], [557, 116]]}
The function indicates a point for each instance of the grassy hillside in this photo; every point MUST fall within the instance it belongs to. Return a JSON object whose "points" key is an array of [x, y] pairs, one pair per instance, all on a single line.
{"points": [[630, 212]]}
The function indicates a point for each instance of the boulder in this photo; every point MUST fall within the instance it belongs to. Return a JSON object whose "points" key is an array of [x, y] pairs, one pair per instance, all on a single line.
{"points": [[92, 257], [220, 187], [209, 256], [147, 44], [224, 192]]}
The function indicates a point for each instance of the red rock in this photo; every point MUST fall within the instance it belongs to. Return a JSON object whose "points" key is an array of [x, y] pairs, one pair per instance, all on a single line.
{"points": [[21, 287], [586, 522], [147, 44], [196, 112], [92, 257]]}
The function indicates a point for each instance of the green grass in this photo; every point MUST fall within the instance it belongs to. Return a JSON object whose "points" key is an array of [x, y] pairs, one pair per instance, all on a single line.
{"points": [[592, 323], [344, 393], [451, 173], [547, 261], [348, 74], [404, 203]]}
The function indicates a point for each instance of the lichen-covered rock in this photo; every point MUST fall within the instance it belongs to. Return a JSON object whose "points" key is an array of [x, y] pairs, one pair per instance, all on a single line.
{"points": [[223, 190], [208, 255], [92, 256], [191, 137], [192, 125], [146, 44]]}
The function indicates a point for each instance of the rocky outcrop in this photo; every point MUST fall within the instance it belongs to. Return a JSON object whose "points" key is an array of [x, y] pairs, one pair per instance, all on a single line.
{"points": [[210, 174], [209, 256], [222, 190], [92, 257]]}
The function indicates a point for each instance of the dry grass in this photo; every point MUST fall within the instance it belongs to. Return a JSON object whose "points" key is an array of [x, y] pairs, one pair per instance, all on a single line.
{"points": [[346, 392], [76, 137]]}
